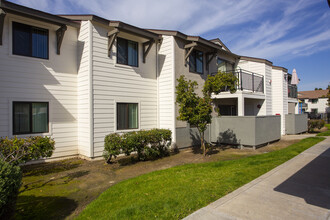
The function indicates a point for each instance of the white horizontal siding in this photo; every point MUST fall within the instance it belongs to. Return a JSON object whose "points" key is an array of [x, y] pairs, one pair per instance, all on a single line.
{"points": [[166, 84], [53, 81], [115, 83], [83, 90]]}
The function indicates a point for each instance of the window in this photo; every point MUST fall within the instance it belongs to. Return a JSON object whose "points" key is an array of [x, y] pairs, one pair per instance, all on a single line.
{"points": [[30, 41], [30, 117], [127, 116], [313, 101], [127, 52], [314, 110], [196, 62], [224, 66]]}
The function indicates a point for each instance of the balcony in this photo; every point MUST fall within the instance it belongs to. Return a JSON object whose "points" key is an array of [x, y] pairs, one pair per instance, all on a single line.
{"points": [[292, 91], [248, 81]]}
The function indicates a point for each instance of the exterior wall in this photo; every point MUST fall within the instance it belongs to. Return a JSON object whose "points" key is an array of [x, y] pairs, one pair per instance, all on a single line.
{"points": [[321, 105], [280, 96], [166, 85], [296, 123], [291, 108], [187, 137], [33, 79], [114, 82], [84, 98], [247, 130], [265, 70]]}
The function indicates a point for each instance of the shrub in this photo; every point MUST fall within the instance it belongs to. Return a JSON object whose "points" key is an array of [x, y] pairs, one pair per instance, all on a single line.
{"points": [[112, 146], [10, 182], [146, 143], [20, 150], [312, 124]]}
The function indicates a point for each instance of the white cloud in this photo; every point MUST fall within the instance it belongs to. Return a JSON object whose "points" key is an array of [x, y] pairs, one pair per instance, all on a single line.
{"points": [[260, 28]]}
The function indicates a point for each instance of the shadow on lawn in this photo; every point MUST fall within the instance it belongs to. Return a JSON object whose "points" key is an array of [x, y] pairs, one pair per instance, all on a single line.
{"points": [[53, 181], [47, 168], [40, 207]]}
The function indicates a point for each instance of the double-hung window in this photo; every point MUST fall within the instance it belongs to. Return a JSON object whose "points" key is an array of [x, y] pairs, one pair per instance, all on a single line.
{"points": [[127, 116], [30, 41], [127, 52], [196, 62], [30, 117]]}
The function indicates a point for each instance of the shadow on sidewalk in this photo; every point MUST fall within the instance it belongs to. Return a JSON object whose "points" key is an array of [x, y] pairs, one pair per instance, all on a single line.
{"points": [[312, 182]]}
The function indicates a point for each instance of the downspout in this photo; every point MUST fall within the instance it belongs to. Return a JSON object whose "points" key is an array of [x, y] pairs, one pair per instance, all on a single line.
{"points": [[173, 94], [90, 84], [157, 80]]}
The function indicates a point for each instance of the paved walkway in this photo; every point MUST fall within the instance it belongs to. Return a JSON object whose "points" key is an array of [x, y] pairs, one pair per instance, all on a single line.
{"points": [[297, 189]]}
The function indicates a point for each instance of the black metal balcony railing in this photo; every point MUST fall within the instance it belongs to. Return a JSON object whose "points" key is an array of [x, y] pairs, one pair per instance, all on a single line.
{"points": [[248, 81], [292, 91]]}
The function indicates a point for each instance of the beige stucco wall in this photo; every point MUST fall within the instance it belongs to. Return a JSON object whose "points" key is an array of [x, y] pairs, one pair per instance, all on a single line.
{"points": [[181, 69]]}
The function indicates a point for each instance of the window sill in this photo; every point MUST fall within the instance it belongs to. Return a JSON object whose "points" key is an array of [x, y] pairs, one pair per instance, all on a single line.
{"points": [[30, 59], [124, 66], [127, 130]]}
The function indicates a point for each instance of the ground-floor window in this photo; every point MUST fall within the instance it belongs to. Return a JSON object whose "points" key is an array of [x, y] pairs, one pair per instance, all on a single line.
{"points": [[228, 110], [127, 116], [30, 117]]}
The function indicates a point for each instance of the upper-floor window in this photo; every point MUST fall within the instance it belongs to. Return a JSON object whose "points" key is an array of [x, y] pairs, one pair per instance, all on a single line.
{"points": [[30, 117], [224, 66], [313, 100], [196, 61], [127, 52], [30, 41]]}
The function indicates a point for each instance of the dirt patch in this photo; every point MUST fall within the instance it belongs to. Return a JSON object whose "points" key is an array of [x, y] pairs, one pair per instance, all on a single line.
{"points": [[78, 182]]}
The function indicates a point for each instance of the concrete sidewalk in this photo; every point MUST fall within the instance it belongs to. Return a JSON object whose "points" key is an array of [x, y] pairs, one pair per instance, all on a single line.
{"points": [[297, 189]]}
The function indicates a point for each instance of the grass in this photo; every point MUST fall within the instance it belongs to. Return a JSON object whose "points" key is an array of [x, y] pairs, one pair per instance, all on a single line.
{"points": [[325, 133], [176, 192]]}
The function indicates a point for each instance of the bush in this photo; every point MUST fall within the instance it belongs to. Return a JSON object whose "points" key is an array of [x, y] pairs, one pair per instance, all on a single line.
{"points": [[312, 124], [148, 144], [20, 150], [10, 182]]}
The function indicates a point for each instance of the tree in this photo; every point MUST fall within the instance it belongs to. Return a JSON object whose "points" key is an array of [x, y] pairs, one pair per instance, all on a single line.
{"points": [[197, 110]]}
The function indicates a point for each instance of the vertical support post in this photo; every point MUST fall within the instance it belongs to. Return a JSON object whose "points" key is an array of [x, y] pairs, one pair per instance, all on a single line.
{"points": [[240, 75], [252, 82], [240, 105]]}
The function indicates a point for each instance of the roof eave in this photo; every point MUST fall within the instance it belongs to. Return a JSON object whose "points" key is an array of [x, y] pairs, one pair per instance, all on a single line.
{"points": [[13, 8]]}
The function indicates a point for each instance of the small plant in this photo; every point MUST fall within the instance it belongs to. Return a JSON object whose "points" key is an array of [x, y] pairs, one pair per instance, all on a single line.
{"points": [[10, 182], [147, 144], [313, 124], [20, 150]]}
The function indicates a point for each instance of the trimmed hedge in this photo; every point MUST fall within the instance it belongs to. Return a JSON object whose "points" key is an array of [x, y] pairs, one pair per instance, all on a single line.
{"points": [[315, 123], [20, 150], [10, 182], [148, 144]]}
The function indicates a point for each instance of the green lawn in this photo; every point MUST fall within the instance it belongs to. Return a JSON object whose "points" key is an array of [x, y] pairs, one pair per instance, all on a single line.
{"points": [[176, 192], [326, 133]]}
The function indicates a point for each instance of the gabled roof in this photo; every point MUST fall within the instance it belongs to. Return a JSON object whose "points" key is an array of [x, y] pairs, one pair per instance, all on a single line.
{"points": [[9, 7], [314, 94], [255, 59], [280, 68], [218, 41], [115, 24], [197, 39]]}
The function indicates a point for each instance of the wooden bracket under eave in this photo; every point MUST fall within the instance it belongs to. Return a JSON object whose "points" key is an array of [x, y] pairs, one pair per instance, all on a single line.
{"points": [[111, 39], [59, 36], [209, 58], [2, 21], [146, 48], [188, 48]]}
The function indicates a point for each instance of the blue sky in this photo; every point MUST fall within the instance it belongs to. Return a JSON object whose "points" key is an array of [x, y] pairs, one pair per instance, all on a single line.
{"points": [[292, 34]]}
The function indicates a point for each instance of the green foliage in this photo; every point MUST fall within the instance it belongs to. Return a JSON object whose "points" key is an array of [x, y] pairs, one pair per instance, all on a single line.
{"points": [[20, 150], [177, 192], [197, 110], [220, 82], [148, 144], [10, 182], [317, 123]]}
